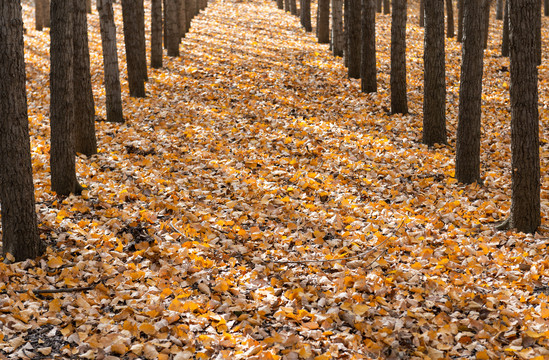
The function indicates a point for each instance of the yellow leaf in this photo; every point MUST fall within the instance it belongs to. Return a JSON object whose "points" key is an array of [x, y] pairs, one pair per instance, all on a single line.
{"points": [[482, 355], [147, 329], [119, 348], [55, 305], [360, 309], [221, 285], [55, 262], [416, 265]]}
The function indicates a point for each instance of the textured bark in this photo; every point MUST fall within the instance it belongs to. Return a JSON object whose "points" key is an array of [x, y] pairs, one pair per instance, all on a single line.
{"points": [[354, 43], [368, 75], [293, 7], [84, 106], [287, 5], [280, 4], [62, 154], [110, 61], [486, 16], [337, 27], [546, 7], [525, 163], [140, 11], [460, 20], [173, 28], [89, 6], [537, 29], [450, 33], [191, 12], [499, 10], [422, 13], [133, 47], [305, 14], [156, 33], [346, 15], [386, 7], [399, 102], [323, 22], [379, 5], [182, 18], [505, 35], [47, 13], [434, 99], [470, 92], [39, 15], [19, 223]]}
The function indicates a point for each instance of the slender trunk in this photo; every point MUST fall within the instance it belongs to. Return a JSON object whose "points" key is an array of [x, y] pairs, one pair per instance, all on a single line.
{"points": [[88, 6], [486, 16], [84, 106], [354, 39], [499, 10], [156, 34], [434, 99], [505, 35], [173, 29], [140, 12], [525, 163], [386, 7], [368, 59], [323, 21], [537, 29], [546, 7], [19, 223], [133, 47], [346, 14], [38, 15], [305, 6], [293, 7], [470, 96], [450, 33], [182, 18], [379, 5], [399, 102], [47, 13], [280, 4], [110, 61], [287, 5], [421, 13], [460, 20], [337, 28]]}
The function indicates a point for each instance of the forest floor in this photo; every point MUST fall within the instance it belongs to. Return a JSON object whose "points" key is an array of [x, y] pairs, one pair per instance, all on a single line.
{"points": [[214, 217]]}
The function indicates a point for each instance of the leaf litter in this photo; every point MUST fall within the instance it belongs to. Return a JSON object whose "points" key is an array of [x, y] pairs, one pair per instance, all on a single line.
{"points": [[256, 205]]}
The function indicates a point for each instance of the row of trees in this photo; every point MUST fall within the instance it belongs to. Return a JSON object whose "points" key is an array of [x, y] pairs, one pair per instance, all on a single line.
{"points": [[353, 37], [72, 108]]}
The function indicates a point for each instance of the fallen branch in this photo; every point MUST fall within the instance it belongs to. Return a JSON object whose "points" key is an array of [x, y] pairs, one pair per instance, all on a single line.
{"points": [[61, 290]]}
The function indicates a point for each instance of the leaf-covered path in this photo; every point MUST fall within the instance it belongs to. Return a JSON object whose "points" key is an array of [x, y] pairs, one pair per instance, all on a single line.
{"points": [[213, 217]]}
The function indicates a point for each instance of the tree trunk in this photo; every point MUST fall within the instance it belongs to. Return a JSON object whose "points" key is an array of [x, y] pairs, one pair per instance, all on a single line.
{"points": [[546, 7], [505, 36], [39, 15], [346, 15], [399, 103], [133, 47], [337, 27], [182, 18], [19, 223], [434, 99], [450, 33], [368, 74], [525, 164], [47, 12], [140, 11], [287, 5], [110, 61], [499, 10], [191, 12], [84, 106], [460, 20], [62, 153], [379, 5], [293, 7], [354, 39], [537, 27], [323, 23], [470, 93], [173, 29], [486, 30], [421, 13], [156, 34], [305, 6], [386, 7], [88, 6], [280, 4]]}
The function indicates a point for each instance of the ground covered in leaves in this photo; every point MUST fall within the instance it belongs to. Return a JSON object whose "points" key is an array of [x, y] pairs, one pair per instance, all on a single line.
{"points": [[214, 217]]}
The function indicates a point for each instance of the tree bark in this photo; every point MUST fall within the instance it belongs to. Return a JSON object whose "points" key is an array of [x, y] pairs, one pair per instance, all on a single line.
{"points": [[84, 106], [505, 36], [379, 5], [305, 14], [182, 18], [354, 41], [287, 5], [47, 12], [434, 99], [399, 102], [88, 6], [173, 28], [386, 7], [39, 15], [486, 16], [133, 48], [450, 33], [337, 28], [537, 29], [293, 7], [546, 7], [62, 154], [499, 10], [156, 33], [346, 14], [368, 74], [110, 61], [191, 12], [470, 93], [140, 11], [19, 223], [525, 164], [421, 13], [323, 24], [280, 4], [460, 20]]}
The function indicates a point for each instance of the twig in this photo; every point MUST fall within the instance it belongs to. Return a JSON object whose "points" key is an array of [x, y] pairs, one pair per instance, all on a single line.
{"points": [[364, 253], [61, 290]]}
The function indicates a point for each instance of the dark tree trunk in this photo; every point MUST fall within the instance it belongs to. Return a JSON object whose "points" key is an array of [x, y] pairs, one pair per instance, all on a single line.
{"points": [[460, 20], [386, 7], [156, 34], [305, 7], [173, 29], [450, 33], [346, 14], [84, 106], [354, 42], [486, 16], [47, 12], [19, 223], [280, 4], [110, 61], [293, 7], [546, 7], [287, 5], [39, 15], [421, 13], [399, 102], [505, 36], [499, 10], [133, 47], [434, 99], [323, 24], [62, 153], [470, 93], [165, 22], [140, 11], [379, 5], [88, 6], [537, 27], [191, 12], [368, 59], [182, 18], [525, 164], [337, 28]]}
